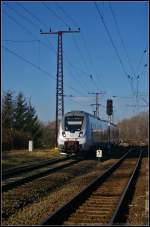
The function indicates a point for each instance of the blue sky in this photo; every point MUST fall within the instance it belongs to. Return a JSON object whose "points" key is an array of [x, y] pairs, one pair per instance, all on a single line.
{"points": [[26, 53]]}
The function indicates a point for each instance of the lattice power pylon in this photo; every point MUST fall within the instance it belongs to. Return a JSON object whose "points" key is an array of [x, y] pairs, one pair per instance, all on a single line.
{"points": [[60, 77]]}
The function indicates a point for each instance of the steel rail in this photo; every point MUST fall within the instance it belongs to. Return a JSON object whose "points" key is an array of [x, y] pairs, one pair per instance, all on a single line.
{"points": [[119, 211], [64, 211], [27, 179], [25, 168]]}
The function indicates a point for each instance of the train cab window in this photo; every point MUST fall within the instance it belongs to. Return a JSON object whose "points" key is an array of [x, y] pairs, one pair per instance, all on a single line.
{"points": [[73, 123]]}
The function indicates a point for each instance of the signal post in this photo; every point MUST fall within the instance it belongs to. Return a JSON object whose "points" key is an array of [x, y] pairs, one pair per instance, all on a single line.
{"points": [[109, 113]]}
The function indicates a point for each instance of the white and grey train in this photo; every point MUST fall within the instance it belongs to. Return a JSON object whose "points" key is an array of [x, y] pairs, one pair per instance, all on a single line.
{"points": [[81, 131]]}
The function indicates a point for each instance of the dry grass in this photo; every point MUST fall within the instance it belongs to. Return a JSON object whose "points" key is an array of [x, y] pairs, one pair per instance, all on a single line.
{"points": [[21, 157]]}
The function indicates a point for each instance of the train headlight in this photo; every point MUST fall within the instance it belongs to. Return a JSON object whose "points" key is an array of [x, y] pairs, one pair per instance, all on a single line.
{"points": [[80, 134], [64, 134]]}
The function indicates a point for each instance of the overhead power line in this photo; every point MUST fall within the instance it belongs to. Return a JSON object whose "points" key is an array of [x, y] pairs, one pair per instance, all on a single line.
{"points": [[83, 72], [31, 14], [20, 41], [53, 49], [144, 66], [140, 60], [120, 36], [82, 105], [37, 67], [27, 19], [84, 43], [65, 12], [29, 62], [110, 38], [26, 29], [112, 42], [43, 43], [51, 10]]}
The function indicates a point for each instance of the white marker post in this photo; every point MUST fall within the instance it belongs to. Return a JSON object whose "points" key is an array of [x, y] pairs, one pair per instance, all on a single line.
{"points": [[99, 154], [30, 145]]}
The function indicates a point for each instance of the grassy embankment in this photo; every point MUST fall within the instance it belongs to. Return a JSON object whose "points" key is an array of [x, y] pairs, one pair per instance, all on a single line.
{"points": [[16, 158]]}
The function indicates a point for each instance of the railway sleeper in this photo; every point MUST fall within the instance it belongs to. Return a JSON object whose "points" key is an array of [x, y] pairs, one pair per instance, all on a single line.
{"points": [[99, 206], [90, 214], [80, 224], [96, 209], [92, 209], [100, 220], [102, 200], [103, 196], [90, 219], [117, 184], [108, 194]]}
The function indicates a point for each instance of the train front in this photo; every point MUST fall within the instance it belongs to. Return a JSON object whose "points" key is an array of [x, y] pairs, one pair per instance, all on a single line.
{"points": [[72, 133]]}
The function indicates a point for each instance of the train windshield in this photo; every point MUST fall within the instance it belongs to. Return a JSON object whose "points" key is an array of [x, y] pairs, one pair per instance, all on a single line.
{"points": [[73, 123]]}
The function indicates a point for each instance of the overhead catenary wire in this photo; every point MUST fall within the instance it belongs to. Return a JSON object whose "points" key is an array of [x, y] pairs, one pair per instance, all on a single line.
{"points": [[41, 22], [121, 38], [26, 41], [68, 15], [83, 40], [43, 71], [131, 78], [73, 66], [20, 41], [35, 66], [32, 34], [26, 29], [110, 38], [79, 103], [142, 71], [113, 45], [84, 62], [140, 60], [78, 49], [29, 12], [80, 82], [26, 18], [53, 11]]}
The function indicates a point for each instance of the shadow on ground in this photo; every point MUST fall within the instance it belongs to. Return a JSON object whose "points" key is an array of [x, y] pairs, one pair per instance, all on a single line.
{"points": [[116, 152]]}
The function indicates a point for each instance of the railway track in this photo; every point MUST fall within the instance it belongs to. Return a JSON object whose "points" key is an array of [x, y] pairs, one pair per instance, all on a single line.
{"points": [[25, 168], [104, 200], [36, 172]]}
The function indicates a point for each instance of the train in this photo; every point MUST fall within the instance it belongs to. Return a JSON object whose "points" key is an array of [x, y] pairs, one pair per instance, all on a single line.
{"points": [[82, 131]]}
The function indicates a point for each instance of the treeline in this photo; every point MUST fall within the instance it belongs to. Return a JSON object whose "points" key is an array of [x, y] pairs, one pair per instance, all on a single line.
{"points": [[20, 124], [134, 130]]}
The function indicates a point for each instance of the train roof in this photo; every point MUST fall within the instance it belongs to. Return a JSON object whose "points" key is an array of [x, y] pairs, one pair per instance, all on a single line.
{"points": [[81, 113]]}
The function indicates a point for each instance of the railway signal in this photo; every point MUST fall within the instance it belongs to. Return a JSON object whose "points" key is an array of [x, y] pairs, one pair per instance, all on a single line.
{"points": [[109, 111], [109, 107]]}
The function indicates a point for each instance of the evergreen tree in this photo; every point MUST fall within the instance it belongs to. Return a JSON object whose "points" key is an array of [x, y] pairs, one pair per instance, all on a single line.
{"points": [[33, 126], [20, 112], [7, 119], [19, 122], [21, 137], [7, 110]]}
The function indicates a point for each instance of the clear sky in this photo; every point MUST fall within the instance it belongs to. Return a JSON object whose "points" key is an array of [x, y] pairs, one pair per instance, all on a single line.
{"points": [[110, 46]]}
